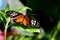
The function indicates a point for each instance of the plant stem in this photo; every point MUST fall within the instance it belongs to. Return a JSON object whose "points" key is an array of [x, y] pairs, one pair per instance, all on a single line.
{"points": [[6, 27], [56, 31], [52, 32], [54, 35]]}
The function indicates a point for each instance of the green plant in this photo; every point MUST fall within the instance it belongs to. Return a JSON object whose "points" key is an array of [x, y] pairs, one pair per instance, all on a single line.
{"points": [[5, 19]]}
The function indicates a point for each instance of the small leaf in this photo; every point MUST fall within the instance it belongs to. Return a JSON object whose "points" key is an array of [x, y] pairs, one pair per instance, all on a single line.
{"points": [[16, 38], [21, 38], [2, 18], [7, 8], [58, 26], [2, 12], [10, 38], [23, 9]]}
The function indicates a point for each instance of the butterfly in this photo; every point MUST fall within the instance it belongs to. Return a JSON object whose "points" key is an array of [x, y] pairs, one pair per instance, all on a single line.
{"points": [[22, 19]]}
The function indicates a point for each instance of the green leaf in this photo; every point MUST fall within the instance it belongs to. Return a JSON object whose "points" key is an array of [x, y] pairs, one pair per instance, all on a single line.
{"points": [[28, 29], [2, 19], [3, 16], [10, 38], [23, 9], [16, 38], [58, 26], [26, 38], [21, 38], [33, 30], [2, 12], [7, 8], [18, 26]]}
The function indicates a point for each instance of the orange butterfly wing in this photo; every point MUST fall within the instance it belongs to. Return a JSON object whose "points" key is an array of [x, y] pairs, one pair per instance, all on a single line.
{"points": [[22, 19], [26, 21], [19, 18]]}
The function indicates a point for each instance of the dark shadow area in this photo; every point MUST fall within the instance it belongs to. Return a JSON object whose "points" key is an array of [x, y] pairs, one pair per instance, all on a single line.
{"points": [[1, 26], [46, 12]]}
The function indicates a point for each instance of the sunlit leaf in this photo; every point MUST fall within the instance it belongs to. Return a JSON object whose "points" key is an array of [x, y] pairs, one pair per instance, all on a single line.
{"points": [[33, 30], [23, 9], [7, 7], [28, 29], [58, 26]]}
